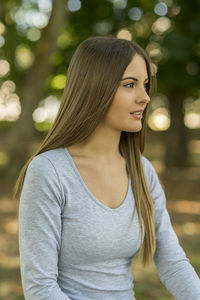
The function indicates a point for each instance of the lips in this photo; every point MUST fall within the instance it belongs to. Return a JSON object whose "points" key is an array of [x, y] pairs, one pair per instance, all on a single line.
{"points": [[137, 112]]}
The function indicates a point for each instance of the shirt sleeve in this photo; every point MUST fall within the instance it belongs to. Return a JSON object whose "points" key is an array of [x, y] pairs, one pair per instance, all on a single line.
{"points": [[175, 270], [40, 231]]}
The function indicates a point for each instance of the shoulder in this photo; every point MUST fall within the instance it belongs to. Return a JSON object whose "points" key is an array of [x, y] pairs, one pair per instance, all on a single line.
{"points": [[43, 175], [46, 167], [47, 161]]}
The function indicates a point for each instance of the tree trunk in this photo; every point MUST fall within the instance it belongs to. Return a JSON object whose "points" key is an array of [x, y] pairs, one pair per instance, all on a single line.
{"points": [[32, 90], [177, 135]]}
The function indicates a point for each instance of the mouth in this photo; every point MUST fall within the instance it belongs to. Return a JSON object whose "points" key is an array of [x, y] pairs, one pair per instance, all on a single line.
{"points": [[137, 114]]}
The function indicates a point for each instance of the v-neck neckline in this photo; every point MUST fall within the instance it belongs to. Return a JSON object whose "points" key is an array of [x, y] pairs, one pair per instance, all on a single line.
{"points": [[116, 209]]}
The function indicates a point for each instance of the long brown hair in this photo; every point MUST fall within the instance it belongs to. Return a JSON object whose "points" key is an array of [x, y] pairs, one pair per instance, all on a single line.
{"points": [[93, 77]]}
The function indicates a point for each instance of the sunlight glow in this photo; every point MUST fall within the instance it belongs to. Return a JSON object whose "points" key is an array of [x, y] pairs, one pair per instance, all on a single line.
{"points": [[159, 119], [47, 110], [124, 34], [39, 115], [58, 82], [161, 25], [36, 18], [161, 9], [26, 17], [2, 41], [2, 28], [119, 4], [24, 56], [192, 113], [135, 13], [33, 34], [8, 87], [192, 120], [4, 67], [10, 107], [45, 5], [74, 5]]}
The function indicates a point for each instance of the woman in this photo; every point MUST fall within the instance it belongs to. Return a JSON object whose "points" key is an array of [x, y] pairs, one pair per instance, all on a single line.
{"points": [[89, 200]]}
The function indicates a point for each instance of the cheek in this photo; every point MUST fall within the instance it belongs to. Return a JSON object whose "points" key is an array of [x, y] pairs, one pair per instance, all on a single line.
{"points": [[121, 106], [121, 102]]}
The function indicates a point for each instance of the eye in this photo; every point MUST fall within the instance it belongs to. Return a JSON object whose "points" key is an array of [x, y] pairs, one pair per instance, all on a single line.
{"points": [[129, 85], [146, 86]]}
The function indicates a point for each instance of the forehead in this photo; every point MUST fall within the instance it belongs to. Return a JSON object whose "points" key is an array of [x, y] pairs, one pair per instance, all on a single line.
{"points": [[136, 68]]}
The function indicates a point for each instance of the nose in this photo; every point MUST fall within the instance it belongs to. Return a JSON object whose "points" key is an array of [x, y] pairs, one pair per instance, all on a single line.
{"points": [[143, 97]]}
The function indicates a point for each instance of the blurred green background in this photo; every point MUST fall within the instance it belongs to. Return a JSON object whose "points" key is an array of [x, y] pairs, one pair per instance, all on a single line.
{"points": [[37, 40]]}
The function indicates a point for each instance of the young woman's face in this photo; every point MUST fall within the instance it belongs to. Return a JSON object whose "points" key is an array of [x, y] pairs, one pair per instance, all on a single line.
{"points": [[131, 98]]}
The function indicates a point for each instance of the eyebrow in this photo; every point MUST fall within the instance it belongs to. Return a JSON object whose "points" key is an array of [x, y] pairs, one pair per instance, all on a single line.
{"points": [[133, 78]]}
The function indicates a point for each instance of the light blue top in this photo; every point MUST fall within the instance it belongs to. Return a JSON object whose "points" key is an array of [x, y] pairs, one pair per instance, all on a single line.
{"points": [[74, 247]]}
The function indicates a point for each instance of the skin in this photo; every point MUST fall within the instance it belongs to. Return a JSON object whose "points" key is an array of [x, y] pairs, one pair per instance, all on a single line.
{"points": [[103, 144]]}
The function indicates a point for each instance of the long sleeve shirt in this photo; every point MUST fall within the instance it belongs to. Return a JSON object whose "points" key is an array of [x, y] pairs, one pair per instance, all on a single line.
{"points": [[73, 247]]}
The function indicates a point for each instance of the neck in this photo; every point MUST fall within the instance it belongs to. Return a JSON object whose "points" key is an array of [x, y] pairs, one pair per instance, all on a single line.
{"points": [[103, 144]]}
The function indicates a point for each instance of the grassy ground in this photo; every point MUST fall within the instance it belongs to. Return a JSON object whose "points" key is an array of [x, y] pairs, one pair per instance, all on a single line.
{"points": [[182, 191]]}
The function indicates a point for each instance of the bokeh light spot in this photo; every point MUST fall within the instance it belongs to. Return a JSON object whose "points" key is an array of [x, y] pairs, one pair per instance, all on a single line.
{"points": [[74, 5], [47, 110], [161, 9], [45, 5], [2, 41], [192, 120], [4, 67], [161, 25], [24, 56], [124, 34], [58, 82], [159, 119], [2, 28], [135, 13], [33, 34], [39, 114], [119, 4], [8, 85]]}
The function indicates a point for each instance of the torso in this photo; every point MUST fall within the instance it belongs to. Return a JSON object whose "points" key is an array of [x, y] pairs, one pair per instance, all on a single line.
{"points": [[108, 182]]}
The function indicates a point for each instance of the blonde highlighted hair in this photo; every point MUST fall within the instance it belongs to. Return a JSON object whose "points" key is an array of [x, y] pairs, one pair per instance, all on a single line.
{"points": [[93, 77]]}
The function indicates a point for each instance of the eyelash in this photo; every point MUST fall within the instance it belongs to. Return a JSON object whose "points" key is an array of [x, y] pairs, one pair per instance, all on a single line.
{"points": [[146, 85]]}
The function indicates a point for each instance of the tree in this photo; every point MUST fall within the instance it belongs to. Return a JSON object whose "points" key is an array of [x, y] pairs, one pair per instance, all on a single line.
{"points": [[179, 76], [176, 46], [31, 88]]}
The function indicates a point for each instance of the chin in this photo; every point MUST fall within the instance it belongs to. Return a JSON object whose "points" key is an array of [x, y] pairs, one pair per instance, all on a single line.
{"points": [[135, 129], [132, 131]]}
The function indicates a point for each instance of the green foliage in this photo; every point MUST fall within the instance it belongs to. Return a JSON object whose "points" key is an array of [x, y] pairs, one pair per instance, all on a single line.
{"points": [[43, 126], [179, 45], [170, 37]]}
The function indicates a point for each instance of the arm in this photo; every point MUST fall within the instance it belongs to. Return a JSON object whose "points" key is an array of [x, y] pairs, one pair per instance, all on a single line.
{"points": [[174, 269], [40, 231]]}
